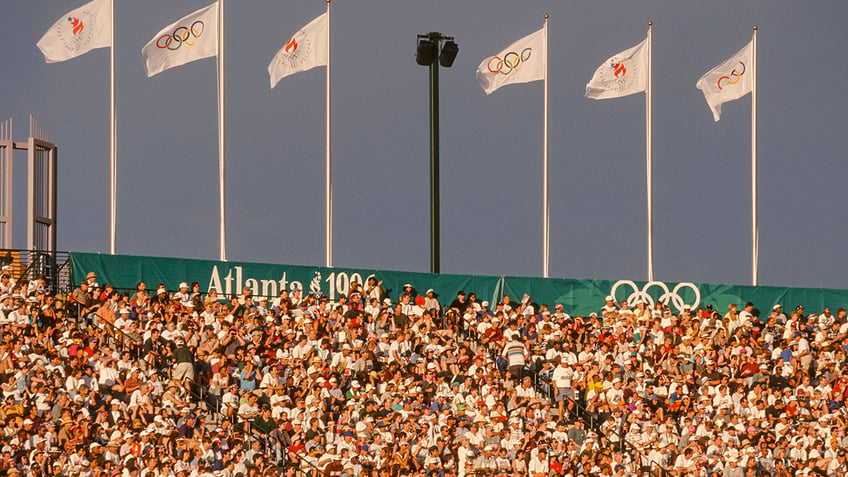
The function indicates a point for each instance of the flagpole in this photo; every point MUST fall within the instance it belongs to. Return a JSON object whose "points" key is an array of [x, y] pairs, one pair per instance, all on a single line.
{"points": [[329, 163], [222, 140], [754, 228], [113, 147], [649, 122], [546, 215]]}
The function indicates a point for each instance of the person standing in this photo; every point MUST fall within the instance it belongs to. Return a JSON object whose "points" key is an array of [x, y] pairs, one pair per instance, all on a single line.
{"points": [[514, 352], [184, 359], [562, 379]]}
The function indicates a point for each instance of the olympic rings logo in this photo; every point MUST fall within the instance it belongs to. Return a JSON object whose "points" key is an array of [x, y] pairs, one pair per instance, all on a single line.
{"points": [[735, 76], [181, 37], [667, 296], [510, 61]]}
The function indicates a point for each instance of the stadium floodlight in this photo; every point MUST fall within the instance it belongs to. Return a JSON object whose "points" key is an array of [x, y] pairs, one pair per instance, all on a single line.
{"points": [[426, 55], [427, 51], [448, 54]]}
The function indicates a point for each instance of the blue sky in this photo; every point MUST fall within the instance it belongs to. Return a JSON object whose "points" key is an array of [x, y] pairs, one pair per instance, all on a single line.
{"points": [[491, 145]]}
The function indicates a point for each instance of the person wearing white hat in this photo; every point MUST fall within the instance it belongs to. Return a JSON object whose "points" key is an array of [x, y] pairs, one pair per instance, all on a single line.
{"points": [[609, 305], [184, 359], [615, 394], [7, 283], [431, 302], [733, 469], [373, 288], [183, 295]]}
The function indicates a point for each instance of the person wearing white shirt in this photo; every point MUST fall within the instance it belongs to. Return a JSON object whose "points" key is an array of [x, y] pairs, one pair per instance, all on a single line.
{"points": [[568, 355], [838, 465], [525, 391], [484, 325], [373, 307], [74, 382], [19, 317], [685, 463], [554, 352], [107, 375], [123, 320], [722, 398], [230, 401], [539, 466], [170, 333], [609, 306], [562, 381], [803, 354], [745, 316], [462, 453], [184, 295], [476, 436], [798, 452], [615, 394], [271, 379]]}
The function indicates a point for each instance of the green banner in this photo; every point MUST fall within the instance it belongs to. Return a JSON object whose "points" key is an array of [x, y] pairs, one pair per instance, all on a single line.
{"points": [[585, 296], [576, 296], [125, 271]]}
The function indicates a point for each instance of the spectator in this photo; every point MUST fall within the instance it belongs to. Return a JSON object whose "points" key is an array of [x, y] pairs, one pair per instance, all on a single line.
{"points": [[368, 387]]}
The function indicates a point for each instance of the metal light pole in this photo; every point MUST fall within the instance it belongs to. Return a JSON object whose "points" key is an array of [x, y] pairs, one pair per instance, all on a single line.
{"points": [[429, 54], [435, 214]]}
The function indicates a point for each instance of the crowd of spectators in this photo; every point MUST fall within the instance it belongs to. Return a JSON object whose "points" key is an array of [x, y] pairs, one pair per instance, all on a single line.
{"points": [[159, 383]]}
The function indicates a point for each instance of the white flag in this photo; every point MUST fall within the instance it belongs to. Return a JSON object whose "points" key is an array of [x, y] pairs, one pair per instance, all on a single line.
{"points": [[305, 50], [521, 62], [623, 74], [78, 32], [729, 80], [193, 37]]}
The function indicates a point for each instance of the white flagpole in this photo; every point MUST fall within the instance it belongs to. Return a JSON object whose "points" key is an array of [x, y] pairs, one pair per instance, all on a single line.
{"points": [[649, 121], [222, 141], [113, 143], [329, 164], [546, 215], [754, 229]]}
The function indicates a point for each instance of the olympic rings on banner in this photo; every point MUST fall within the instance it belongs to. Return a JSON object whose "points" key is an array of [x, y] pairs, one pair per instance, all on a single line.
{"points": [[510, 61], [181, 36], [735, 76], [667, 296]]}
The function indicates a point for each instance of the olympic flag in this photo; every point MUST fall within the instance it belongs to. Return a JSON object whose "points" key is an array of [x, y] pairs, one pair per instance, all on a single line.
{"points": [[78, 32], [307, 49], [521, 62], [729, 81], [193, 37], [732, 79], [622, 74]]}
